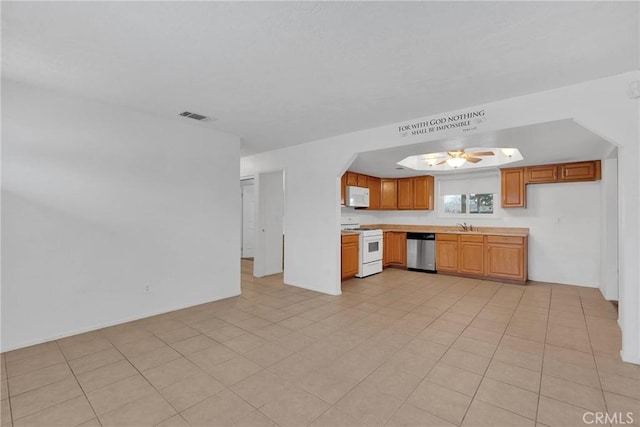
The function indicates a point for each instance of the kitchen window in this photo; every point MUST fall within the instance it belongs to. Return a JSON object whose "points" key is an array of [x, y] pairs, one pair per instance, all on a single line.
{"points": [[469, 196], [472, 204]]}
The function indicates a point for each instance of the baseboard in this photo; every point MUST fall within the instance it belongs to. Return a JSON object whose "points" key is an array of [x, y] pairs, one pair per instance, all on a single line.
{"points": [[634, 360], [105, 325], [314, 290]]}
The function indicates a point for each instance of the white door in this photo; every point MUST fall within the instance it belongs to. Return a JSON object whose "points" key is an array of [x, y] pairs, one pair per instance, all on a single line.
{"points": [[270, 224], [248, 220]]}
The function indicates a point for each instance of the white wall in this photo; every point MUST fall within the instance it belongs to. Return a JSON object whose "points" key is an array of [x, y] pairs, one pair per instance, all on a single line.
{"points": [[313, 173], [563, 221], [99, 202], [609, 230]]}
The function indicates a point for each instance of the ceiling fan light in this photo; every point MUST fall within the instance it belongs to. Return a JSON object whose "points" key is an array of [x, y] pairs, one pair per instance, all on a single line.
{"points": [[456, 162]]}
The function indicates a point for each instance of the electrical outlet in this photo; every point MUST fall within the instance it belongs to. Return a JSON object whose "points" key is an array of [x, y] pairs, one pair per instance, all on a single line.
{"points": [[147, 289]]}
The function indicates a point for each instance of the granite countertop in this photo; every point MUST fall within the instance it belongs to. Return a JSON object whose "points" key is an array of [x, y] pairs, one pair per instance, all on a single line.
{"points": [[448, 229]]}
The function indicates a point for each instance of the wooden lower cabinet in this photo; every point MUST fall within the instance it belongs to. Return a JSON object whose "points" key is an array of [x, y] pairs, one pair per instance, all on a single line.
{"points": [[471, 255], [494, 257], [507, 257], [447, 252], [394, 249], [349, 256]]}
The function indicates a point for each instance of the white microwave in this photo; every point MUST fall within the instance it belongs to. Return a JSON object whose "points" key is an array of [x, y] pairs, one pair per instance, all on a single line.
{"points": [[357, 197]]}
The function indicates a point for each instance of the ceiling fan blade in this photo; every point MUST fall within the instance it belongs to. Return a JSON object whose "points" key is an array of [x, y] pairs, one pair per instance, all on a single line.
{"points": [[482, 153], [473, 159]]}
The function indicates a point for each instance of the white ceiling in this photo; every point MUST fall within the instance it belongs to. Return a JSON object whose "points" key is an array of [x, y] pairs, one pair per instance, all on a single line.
{"points": [[552, 142], [284, 73]]}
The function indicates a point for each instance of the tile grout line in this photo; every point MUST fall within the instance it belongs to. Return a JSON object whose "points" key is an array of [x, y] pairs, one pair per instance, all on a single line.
{"points": [[544, 350], [448, 348], [78, 382], [149, 382], [376, 369], [4, 362], [466, 412], [593, 355]]}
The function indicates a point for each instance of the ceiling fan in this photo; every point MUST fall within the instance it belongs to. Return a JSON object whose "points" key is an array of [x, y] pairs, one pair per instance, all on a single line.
{"points": [[456, 158]]}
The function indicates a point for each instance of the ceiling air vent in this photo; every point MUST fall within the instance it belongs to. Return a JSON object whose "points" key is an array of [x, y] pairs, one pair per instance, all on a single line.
{"points": [[194, 116]]}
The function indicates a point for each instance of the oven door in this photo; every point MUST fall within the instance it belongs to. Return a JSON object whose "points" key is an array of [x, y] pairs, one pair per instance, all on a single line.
{"points": [[371, 249]]}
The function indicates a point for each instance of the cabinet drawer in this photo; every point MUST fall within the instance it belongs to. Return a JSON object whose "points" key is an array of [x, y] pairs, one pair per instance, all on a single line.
{"points": [[449, 237], [512, 240], [471, 238], [354, 238]]}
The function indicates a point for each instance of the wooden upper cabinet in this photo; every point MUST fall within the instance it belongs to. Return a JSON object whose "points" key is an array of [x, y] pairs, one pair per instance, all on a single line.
{"points": [[512, 188], [405, 193], [352, 179], [423, 191], [392, 193], [388, 193], [541, 174], [374, 192], [581, 171]]}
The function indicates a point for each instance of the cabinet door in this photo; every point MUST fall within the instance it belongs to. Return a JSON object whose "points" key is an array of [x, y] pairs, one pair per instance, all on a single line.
{"points": [[446, 254], [343, 184], [423, 192], [542, 174], [399, 249], [388, 193], [471, 259], [580, 171], [513, 189], [349, 260], [405, 193], [352, 179], [362, 181], [386, 248], [506, 261], [374, 192]]}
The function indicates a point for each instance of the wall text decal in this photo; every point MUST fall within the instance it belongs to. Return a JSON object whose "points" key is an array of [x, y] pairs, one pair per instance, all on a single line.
{"points": [[466, 121]]}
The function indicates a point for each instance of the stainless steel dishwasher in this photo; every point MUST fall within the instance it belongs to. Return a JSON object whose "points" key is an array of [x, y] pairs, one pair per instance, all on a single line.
{"points": [[421, 252]]}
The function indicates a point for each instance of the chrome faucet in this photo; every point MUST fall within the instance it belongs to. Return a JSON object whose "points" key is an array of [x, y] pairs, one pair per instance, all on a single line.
{"points": [[465, 227]]}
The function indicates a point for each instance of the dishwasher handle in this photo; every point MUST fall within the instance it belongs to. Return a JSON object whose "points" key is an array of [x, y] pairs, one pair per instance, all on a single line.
{"points": [[421, 236]]}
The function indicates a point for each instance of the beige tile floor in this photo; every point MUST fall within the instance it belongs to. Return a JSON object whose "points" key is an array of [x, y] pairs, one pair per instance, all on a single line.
{"points": [[398, 348]]}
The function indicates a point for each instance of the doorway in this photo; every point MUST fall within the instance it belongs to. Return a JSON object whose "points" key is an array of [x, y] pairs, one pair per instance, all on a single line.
{"points": [[248, 238]]}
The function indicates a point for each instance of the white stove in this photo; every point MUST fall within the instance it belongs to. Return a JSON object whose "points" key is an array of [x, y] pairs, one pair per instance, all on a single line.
{"points": [[369, 247]]}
